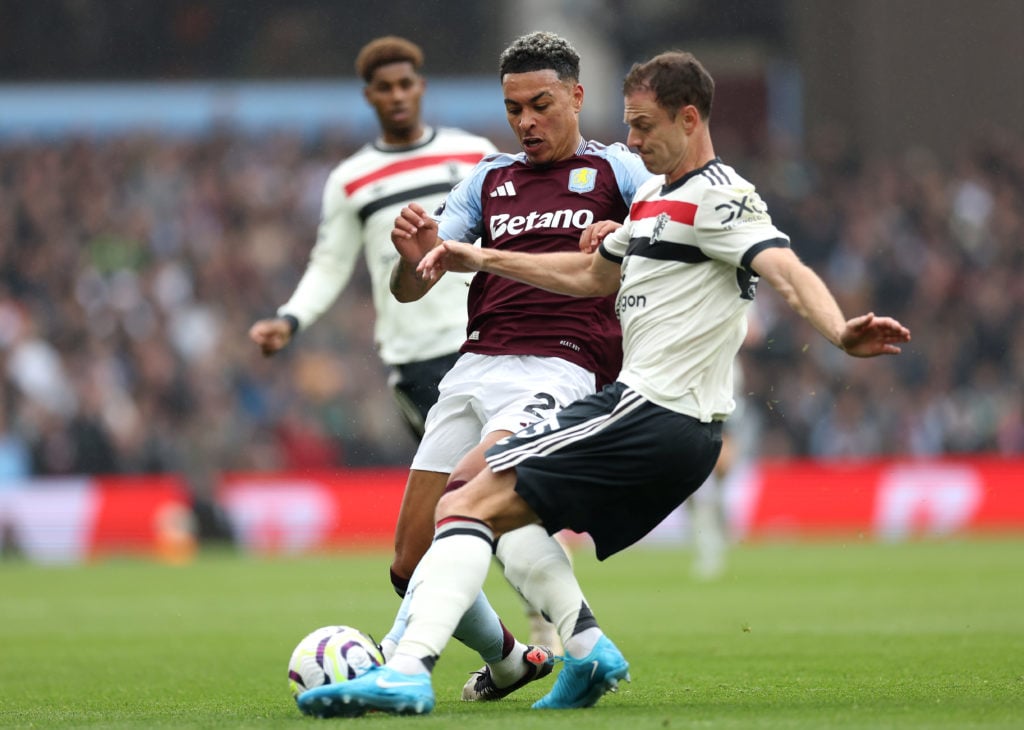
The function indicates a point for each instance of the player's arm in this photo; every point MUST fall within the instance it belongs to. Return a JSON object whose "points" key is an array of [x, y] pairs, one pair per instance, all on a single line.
{"points": [[570, 272], [594, 234], [806, 293], [272, 334], [414, 234], [331, 263]]}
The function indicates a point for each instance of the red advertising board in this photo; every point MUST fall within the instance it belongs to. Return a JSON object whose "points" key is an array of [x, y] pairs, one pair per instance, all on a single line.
{"points": [[889, 499], [70, 519], [300, 512]]}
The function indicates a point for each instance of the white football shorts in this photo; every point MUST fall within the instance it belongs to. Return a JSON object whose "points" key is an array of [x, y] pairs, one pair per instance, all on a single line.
{"points": [[487, 393]]}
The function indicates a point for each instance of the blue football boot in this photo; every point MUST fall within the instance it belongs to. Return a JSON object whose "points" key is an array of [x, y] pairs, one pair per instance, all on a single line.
{"points": [[381, 688], [582, 681]]}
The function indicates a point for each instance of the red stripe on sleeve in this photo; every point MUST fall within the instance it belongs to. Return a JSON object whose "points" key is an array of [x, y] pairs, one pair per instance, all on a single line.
{"points": [[412, 163], [678, 211]]}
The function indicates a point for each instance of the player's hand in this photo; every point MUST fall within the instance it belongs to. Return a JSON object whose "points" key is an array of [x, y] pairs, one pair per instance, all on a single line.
{"points": [[455, 256], [271, 334], [868, 336], [414, 234], [593, 234]]}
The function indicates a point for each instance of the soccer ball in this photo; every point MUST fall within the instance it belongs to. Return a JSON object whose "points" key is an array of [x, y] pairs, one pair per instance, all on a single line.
{"points": [[331, 654]]}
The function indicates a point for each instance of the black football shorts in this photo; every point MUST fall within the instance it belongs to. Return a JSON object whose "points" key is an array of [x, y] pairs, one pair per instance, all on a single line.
{"points": [[613, 465]]}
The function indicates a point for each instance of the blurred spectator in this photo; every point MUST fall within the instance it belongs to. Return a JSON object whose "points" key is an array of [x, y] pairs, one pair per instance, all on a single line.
{"points": [[944, 248], [131, 266]]}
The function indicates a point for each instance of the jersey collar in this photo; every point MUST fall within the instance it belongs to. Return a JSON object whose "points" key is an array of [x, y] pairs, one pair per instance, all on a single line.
{"points": [[682, 181], [426, 138]]}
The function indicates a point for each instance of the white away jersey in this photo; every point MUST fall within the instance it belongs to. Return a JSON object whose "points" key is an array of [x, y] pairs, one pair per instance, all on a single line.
{"points": [[685, 252], [362, 198]]}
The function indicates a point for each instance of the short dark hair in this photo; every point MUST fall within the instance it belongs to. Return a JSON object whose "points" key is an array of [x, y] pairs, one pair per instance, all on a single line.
{"points": [[676, 78], [540, 51], [388, 49]]}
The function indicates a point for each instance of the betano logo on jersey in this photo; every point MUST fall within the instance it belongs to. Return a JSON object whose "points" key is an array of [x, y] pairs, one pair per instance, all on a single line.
{"points": [[514, 225]]}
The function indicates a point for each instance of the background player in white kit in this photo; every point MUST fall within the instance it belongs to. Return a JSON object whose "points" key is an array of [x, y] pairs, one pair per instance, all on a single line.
{"points": [[410, 161], [686, 265], [710, 526]]}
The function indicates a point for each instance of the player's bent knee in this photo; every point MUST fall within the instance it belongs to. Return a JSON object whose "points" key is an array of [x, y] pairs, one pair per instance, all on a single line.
{"points": [[454, 484], [448, 505], [408, 556]]}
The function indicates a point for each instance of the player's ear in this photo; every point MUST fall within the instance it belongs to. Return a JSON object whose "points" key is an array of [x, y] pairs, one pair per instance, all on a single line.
{"points": [[577, 98], [690, 117]]}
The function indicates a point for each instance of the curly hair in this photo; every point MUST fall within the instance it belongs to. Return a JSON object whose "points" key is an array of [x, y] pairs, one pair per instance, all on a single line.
{"points": [[540, 51], [388, 49]]}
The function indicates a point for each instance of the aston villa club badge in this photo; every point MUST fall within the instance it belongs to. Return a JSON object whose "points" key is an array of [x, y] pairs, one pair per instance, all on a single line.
{"points": [[582, 179]]}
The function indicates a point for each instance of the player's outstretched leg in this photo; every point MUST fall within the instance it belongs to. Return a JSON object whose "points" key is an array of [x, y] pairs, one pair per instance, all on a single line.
{"points": [[446, 583], [582, 682], [537, 662], [542, 631], [382, 689]]}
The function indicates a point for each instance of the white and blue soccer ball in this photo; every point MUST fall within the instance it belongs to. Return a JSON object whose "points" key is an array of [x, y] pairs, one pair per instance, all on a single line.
{"points": [[329, 655]]}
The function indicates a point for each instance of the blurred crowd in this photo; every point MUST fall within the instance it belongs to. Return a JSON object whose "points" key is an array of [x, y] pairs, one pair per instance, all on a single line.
{"points": [[132, 266], [130, 270], [933, 241]]}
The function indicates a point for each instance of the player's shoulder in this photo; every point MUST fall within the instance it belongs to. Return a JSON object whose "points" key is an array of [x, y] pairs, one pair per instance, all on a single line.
{"points": [[496, 160], [473, 183], [615, 151], [463, 137], [629, 169], [725, 199], [716, 178], [366, 156], [652, 187], [466, 193]]}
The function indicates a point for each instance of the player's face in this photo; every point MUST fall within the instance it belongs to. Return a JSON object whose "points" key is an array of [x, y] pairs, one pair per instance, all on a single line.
{"points": [[657, 138], [544, 114], [395, 92]]}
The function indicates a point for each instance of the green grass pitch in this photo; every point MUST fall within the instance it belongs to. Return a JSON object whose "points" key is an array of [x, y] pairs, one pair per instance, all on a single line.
{"points": [[837, 634]]}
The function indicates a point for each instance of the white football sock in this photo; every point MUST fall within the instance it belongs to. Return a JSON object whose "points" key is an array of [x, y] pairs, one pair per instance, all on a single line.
{"points": [[444, 585], [479, 629], [537, 566]]}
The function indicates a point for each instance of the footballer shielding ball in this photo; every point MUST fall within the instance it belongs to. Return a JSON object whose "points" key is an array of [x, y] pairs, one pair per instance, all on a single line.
{"points": [[331, 654]]}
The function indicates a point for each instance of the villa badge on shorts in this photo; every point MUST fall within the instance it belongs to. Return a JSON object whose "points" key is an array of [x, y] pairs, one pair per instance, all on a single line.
{"points": [[582, 179]]}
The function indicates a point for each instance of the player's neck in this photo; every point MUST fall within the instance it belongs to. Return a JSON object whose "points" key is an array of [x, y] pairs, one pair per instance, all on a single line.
{"points": [[695, 158], [394, 138], [565, 153]]}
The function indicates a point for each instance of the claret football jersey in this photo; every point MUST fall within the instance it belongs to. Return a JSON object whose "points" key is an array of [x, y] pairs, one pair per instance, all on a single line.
{"points": [[510, 204]]}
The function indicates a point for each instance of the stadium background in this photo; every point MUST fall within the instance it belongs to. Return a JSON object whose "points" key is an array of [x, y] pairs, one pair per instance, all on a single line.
{"points": [[161, 165]]}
